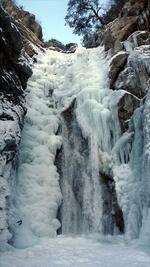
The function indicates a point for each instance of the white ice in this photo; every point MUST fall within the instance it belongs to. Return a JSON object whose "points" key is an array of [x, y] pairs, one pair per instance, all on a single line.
{"points": [[38, 194], [77, 252]]}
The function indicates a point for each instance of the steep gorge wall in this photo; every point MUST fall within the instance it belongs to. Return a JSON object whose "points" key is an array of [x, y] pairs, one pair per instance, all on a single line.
{"points": [[14, 72], [27, 19], [127, 40]]}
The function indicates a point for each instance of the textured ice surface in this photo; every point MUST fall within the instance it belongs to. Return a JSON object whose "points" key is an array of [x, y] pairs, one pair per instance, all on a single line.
{"points": [[11, 117], [76, 252], [38, 192], [57, 80]]}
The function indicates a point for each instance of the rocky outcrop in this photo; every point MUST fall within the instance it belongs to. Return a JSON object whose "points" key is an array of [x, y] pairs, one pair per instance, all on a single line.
{"points": [[27, 19], [127, 39], [29, 28], [133, 17], [14, 72], [117, 64], [31, 43], [126, 107], [129, 71], [135, 76], [58, 46], [136, 39]]}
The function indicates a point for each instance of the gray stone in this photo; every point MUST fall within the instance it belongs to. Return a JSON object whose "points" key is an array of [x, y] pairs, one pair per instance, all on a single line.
{"points": [[117, 64]]}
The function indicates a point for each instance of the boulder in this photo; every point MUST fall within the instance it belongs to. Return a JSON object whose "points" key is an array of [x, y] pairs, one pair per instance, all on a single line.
{"points": [[71, 47], [60, 47], [136, 39], [126, 106], [135, 76], [117, 64]]}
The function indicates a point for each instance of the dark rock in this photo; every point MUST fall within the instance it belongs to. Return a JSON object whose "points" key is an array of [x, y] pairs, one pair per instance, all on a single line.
{"points": [[12, 34], [113, 214], [144, 19], [133, 17], [116, 66], [134, 7], [22, 29], [56, 44], [135, 76], [10, 86], [126, 107], [24, 71], [31, 43], [68, 114], [71, 47], [136, 39], [60, 47], [27, 19], [14, 72]]}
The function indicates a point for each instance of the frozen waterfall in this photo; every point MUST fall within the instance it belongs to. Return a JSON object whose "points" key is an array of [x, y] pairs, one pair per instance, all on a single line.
{"points": [[76, 173]]}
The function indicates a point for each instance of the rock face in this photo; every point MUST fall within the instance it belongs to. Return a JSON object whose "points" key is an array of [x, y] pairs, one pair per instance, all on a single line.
{"points": [[117, 63], [126, 107], [135, 75], [136, 39], [14, 72], [29, 28], [31, 43], [58, 46], [27, 19], [127, 39], [133, 17]]}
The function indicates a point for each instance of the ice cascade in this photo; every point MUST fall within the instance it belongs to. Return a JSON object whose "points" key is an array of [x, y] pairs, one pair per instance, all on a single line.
{"points": [[77, 173]]}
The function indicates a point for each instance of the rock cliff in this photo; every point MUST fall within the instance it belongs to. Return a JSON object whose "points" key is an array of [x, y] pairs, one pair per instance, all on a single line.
{"points": [[27, 19], [133, 17], [14, 72], [127, 40]]}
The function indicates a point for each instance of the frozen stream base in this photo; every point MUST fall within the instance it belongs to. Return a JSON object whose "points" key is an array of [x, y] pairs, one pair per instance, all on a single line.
{"points": [[76, 252]]}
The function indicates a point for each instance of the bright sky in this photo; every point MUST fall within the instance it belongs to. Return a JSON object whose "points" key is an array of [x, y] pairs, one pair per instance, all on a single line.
{"points": [[51, 14]]}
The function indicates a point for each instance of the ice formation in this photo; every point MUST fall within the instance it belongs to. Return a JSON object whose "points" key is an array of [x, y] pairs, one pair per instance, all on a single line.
{"points": [[72, 111]]}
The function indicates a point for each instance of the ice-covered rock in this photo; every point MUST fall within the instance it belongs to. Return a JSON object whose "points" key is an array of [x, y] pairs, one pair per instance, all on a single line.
{"points": [[118, 62], [137, 72], [126, 107], [136, 39], [14, 72]]}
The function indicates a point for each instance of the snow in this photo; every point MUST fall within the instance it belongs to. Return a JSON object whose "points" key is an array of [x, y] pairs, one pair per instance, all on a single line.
{"points": [[76, 252]]}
